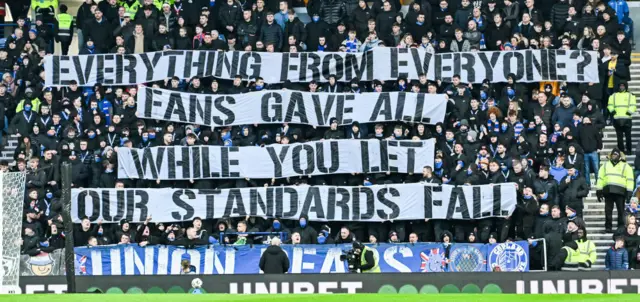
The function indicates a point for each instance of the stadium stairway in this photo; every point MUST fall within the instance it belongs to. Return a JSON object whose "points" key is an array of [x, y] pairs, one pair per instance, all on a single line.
{"points": [[594, 210]]}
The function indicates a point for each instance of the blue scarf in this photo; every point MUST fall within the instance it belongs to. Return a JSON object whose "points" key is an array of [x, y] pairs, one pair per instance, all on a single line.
{"points": [[352, 46]]}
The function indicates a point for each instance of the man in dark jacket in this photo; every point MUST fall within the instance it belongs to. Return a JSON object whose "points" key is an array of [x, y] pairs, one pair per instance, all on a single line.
{"points": [[162, 39], [295, 27], [100, 31], [591, 141], [247, 29], [271, 32], [230, 14], [274, 260], [308, 235], [333, 11], [573, 188], [385, 20], [498, 33], [316, 29], [559, 15]]}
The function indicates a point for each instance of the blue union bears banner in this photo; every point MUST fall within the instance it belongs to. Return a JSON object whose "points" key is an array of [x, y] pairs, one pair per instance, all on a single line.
{"points": [[393, 258]]}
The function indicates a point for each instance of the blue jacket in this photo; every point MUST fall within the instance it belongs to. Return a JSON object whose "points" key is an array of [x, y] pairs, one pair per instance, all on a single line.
{"points": [[558, 173], [617, 259], [621, 7]]}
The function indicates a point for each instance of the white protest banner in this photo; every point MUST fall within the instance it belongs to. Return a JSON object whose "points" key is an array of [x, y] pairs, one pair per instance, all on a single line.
{"points": [[287, 106], [319, 203], [390, 64], [276, 161]]}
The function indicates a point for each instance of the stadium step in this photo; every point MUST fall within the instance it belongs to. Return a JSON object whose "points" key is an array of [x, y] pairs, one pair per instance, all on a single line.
{"points": [[594, 210]]}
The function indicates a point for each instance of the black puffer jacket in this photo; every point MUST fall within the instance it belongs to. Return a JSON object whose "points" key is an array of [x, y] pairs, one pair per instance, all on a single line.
{"points": [[230, 14], [295, 28], [333, 11], [274, 261]]}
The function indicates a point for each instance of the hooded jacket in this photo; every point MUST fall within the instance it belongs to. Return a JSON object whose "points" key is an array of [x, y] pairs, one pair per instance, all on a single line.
{"points": [[274, 261], [308, 235]]}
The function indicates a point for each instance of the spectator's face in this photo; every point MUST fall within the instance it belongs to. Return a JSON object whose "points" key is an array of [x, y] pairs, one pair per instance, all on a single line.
{"points": [[162, 29], [529, 3], [542, 98], [543, 173], [601, 30], [344, 233], [526, 18], [555, 213], [449, 135], [242, 227], [283, 6], [203, 19], [497, 19], [444, 4], [387, 6], [124, 239], [471, 25], [459, 37], [448, 19], [322, 40], [33, 164], [544, 209], [476, 12], [246, 15], [295, 238], [270, 18], [632, 229], [413, 238], [373, 239], [93, 241], [98, 15], [138, 29]]}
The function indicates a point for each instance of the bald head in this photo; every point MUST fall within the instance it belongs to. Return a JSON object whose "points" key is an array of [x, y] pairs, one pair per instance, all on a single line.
{"points": [[276, 241]]}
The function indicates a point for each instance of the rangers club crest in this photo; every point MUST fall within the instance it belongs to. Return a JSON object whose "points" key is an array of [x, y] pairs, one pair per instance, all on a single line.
{"points": [[509, 257], [434, 261], [467, 259]]}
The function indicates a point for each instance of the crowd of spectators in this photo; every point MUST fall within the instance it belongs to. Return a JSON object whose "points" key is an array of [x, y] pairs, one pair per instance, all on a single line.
{"points": [[545, 137]]}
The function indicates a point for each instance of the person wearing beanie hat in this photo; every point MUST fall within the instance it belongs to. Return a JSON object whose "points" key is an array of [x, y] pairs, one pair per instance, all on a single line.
{"points": [[574, 189], [333, 132]]}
